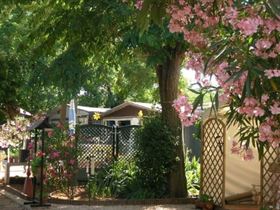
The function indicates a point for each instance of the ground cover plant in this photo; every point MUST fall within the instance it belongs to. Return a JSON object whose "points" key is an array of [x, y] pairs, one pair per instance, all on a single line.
{"points": [[192, 169], [112, 181]]}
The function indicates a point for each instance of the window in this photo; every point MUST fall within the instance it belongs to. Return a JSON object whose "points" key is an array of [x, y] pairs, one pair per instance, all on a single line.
{"points": [[110, 123], [124, 123]]}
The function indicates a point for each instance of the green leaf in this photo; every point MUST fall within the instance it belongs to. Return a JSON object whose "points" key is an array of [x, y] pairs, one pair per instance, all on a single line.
{"points": [[194, 91], [198, 101], [217, 100]]}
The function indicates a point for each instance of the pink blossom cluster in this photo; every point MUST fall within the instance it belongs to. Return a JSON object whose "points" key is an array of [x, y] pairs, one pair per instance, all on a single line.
{"points": [[55, 154], [251, 108], [245, 153], [270, 73], [184, 14], [195, 62], [194, 38], [4, 143], [250, 23], [275, 108], [231, 15], [269, 131], [267, 48], [249, 26], [139, 4], [230, 87], [185, 111]]}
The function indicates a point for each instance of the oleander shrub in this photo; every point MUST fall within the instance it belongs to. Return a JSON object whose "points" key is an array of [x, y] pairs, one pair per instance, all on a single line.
{"points": [[155, 157]]}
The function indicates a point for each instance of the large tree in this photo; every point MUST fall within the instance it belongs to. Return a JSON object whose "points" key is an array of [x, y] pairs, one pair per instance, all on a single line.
{"points": [[48, 64], [74, 36]]}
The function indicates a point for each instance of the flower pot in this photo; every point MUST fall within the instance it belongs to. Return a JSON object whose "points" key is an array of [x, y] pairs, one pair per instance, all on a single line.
{"points": [[204, 205]]}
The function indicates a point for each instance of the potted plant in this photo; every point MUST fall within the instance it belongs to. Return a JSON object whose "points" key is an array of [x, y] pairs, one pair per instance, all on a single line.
{"points": [[36, 166], [205, 202]]}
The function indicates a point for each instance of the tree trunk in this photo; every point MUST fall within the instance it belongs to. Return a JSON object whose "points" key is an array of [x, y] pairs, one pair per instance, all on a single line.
{"points": [[168, 76], [11, 111], [63, 110]]}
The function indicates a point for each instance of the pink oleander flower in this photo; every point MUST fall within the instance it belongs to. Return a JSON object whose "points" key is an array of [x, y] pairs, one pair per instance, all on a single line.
{"points": [[271, 25], [258, 112], [277, 48], [235, 148], [178, 103], [249, 26], [245, 153], [175, 27], [181, 2], [264, 98], [4, 143], [40, 154], [72, 162], [231, 15], [55, 154], [139, 4], [30, 146], [251, 108], [269, 131], [275, 108], [250, 101], [184, 110], [195, 62], [195, 38], [50, 133], [248, 154], [263, 44], [270, 73]]}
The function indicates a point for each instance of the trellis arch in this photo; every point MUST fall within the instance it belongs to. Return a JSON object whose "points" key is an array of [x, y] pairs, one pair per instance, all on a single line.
{"points": [[213, 167], [213, 160]]}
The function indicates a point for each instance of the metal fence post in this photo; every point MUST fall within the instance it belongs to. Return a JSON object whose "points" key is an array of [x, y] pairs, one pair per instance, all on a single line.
{"points": [[114, 142], [117, 141]]}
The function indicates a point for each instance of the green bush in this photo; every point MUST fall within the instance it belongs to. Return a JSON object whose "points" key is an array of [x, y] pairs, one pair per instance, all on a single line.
{"points": [[155, 157], [113, 180], [147, 177]]}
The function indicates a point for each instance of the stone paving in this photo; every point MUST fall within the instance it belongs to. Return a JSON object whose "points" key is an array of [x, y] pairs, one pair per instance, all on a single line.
{"points": [[12, 202]]}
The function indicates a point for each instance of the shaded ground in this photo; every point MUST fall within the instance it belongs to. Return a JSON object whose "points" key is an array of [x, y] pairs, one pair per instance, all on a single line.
{"points": [[10, 201], [8, 204]]}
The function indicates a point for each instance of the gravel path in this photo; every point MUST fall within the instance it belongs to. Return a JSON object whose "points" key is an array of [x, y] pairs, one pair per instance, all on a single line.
{"points": [[12, 202]]}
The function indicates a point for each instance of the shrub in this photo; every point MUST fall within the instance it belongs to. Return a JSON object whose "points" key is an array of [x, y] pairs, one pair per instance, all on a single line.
{"points": [[155, 157], [192, 170], [114, 180]]}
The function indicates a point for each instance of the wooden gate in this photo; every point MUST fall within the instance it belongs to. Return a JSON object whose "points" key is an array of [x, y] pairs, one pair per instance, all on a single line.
{"points": [[213, 160]]}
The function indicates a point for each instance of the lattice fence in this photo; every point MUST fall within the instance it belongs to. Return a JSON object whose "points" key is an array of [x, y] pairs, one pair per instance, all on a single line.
{"points": [[104, 144], [126, 142], [95, 141], [212, 163], [270, 182]]}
